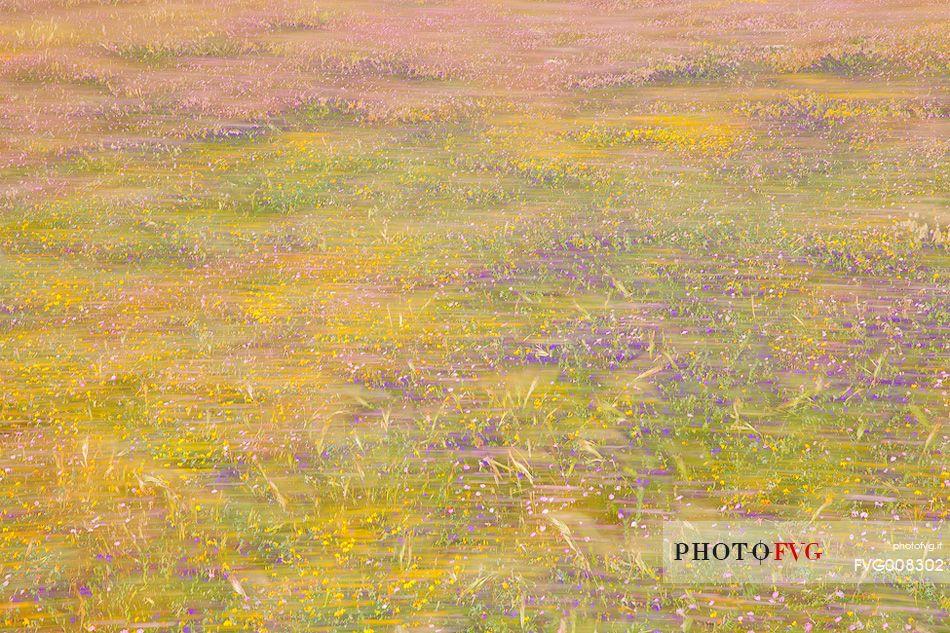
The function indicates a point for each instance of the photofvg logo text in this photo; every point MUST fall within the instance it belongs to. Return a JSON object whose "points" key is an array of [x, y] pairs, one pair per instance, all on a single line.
{"points": [[741, 551], [775, 552]]}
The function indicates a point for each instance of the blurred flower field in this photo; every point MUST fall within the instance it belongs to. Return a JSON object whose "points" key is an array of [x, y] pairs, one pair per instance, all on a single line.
{"points": [[424, 316]]}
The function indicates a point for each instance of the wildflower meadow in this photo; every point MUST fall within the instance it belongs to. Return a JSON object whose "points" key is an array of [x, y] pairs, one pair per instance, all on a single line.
{"points": [[372, 316]]}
